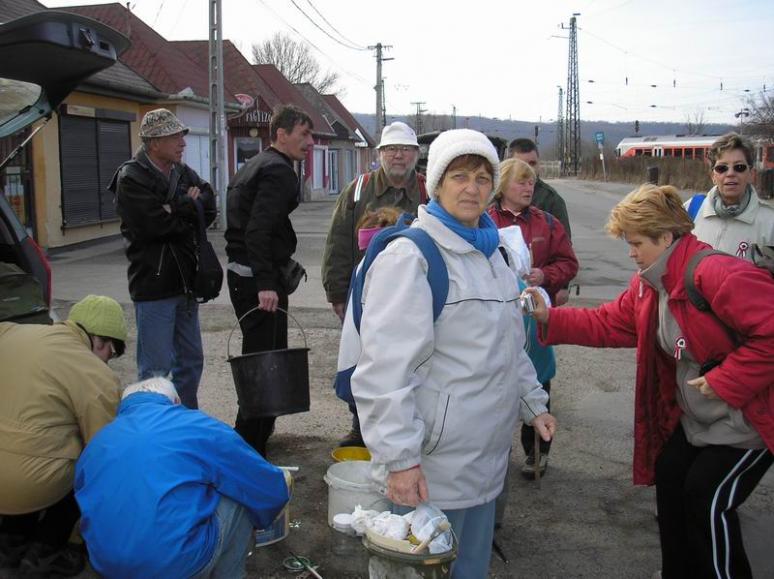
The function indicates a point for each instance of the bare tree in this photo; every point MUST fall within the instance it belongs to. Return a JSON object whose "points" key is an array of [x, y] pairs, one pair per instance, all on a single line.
{"points": [[295, 61], [694, 123], [761, 119]]}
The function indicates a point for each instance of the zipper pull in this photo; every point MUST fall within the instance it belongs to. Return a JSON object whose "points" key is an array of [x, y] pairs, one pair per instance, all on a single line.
{"points": [[679, 347]]}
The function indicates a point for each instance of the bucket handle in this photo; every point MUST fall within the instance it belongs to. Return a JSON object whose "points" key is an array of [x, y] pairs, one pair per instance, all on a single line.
{"points": [[250, 311]]}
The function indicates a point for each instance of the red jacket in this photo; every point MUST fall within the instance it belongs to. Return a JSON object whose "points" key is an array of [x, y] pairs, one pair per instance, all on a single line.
{"points": [[548, 241], [740, 296]]}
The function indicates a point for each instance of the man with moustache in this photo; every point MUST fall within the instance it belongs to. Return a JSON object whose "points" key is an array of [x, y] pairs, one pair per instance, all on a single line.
{"points": [[260, 240], [395, 183], [156, 197]]}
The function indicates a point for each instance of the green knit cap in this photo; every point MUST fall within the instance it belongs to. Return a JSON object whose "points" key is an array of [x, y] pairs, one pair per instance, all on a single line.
{"points": [[100, 316]]}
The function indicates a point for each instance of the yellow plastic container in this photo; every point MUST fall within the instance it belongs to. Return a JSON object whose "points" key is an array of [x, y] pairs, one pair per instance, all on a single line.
{"points": [[344, 453]]}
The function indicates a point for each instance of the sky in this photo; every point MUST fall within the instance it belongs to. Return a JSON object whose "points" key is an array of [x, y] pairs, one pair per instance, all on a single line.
{"points": [[646, 60]]}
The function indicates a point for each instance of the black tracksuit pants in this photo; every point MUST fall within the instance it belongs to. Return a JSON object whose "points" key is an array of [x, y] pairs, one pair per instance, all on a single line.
{"points": [[51, 526], [261, 331], [698, 490]]}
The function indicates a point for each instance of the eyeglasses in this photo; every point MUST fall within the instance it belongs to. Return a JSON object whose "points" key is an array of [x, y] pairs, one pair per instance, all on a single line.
{"points": [[738, 168], [392, 149]]}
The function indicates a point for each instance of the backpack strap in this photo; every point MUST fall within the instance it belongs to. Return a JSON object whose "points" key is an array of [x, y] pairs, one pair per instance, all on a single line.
{"points": [[695, 297], [437, 273], [695, 204]]}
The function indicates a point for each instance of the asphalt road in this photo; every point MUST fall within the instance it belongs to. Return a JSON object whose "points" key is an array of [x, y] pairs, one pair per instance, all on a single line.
{"points": [[586, 519]]}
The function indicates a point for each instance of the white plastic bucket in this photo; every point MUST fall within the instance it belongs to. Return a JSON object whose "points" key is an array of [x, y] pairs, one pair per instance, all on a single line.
{"points": [[349, 485]]}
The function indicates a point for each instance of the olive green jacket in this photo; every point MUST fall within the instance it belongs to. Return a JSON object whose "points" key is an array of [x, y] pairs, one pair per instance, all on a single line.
{"points": [[56, 394], [341, 253], [547, 199]]}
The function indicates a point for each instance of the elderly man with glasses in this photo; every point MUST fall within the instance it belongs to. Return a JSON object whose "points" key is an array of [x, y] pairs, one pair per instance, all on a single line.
{"points": [[731, 218], [396, 183]]}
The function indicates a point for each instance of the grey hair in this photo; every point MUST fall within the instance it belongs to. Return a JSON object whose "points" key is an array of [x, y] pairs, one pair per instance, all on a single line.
{"points": [[156, 385]]}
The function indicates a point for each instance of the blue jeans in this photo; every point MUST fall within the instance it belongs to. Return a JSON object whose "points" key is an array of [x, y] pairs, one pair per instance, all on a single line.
{"points": [[169, 342], [235, 537], [474, 528]]}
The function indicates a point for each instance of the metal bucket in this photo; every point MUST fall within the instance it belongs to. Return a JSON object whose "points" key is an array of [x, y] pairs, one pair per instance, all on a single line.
{"points": [[273, 382]]}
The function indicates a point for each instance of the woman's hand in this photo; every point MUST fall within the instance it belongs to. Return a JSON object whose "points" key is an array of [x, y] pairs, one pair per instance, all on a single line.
{"points": [[535, 276], [703, 387], [407, 487], [540, 313], [545, 425]]}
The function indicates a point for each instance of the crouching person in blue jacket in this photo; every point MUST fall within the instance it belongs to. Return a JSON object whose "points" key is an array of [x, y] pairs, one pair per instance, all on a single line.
{"points": [[165, 491]]}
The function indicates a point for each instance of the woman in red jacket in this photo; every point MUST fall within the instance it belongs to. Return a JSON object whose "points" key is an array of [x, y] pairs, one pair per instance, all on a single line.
{"points": [[704, 397], [553, 264]]}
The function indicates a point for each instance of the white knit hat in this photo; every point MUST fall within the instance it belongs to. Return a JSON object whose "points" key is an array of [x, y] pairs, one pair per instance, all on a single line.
{"points": [[452, 144], [398, 133]]}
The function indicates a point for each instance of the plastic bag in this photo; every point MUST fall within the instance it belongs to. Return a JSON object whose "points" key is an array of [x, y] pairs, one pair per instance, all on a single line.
{"points": [[388, 525], [514, 241], [425, 520], [361, 518]]}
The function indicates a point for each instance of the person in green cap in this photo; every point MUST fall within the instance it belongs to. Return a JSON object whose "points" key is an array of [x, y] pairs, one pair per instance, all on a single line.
{"points": [[57, 392]]}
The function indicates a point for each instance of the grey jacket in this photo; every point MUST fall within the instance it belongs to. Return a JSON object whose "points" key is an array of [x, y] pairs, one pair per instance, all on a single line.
{"points": [[446, 395]]}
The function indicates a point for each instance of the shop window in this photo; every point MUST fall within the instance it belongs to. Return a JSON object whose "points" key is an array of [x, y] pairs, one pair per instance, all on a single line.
{"points": [[246, 149], [318, 168]]}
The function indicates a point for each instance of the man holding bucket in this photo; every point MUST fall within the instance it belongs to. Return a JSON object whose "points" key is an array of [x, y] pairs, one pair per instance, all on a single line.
{"points": [[260, 242], [170, 492]]}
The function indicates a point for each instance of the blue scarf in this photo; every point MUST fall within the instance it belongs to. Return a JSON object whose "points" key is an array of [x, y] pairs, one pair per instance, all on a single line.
{"points": [[484, 237]]}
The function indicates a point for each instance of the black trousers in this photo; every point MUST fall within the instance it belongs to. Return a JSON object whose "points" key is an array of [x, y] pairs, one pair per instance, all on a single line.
{"points": [[51, 526], [528, 433], [261, 331], [698, 490]]}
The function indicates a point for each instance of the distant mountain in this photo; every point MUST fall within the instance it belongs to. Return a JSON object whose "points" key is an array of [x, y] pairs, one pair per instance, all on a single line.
{"points": [[614, 132]]}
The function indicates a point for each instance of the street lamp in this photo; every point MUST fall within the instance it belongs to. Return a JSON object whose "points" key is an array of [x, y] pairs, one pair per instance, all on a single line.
{"points": [[745, 112]]}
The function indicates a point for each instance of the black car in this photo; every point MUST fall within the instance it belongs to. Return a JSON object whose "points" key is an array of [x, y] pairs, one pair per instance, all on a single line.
{"points": [[43, 57]]}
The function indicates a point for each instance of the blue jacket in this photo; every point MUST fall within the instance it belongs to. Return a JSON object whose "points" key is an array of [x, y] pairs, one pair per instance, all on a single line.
{"points": [[148, 485]]}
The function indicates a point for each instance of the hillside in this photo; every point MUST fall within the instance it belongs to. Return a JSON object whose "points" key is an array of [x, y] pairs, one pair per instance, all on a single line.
{"points": [[614, 132]]}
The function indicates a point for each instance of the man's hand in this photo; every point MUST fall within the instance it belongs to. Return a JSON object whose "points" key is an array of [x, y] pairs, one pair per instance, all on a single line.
{"points": [[703, 387], [545, 425], [339, 310], [194, 192], [535, 277], [268, 300], [407, 487], [541, 312]]}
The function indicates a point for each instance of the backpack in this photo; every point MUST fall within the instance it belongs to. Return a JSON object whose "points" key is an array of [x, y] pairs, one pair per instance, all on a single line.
{"points": [[695, 205], [437, 277], [208, 278]]}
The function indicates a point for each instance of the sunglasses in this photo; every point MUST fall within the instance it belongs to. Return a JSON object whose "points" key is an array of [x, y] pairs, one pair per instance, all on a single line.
{"points": [[738, 168]]}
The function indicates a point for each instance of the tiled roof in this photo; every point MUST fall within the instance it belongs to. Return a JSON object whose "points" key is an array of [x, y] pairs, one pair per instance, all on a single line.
{"points": [[351, 121], [122, 78], [150, 55], [289, 94], [343, 131], [10, 9], [238, 74]]}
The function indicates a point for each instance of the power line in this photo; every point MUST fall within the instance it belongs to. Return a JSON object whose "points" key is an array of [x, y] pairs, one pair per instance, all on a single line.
{"points": [[355, 44], [313, 45], [321, 29], [158, 12]]}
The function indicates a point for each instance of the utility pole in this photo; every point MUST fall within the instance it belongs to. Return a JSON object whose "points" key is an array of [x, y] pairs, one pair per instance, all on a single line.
{"points": [[572, 126], [418, 122], [217, 112], [560, 131], [454, 117], [379, 86]]}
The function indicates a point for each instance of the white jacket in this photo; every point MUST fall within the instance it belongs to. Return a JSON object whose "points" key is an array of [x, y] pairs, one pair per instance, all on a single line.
{"points": [[444, 395], [737, 234]]}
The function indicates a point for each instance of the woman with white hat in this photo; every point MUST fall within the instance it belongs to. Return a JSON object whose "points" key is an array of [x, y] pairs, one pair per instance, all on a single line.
{"points": [[438, 401]]}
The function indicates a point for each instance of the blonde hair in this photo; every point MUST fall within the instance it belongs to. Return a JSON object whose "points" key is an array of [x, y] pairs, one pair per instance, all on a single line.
{"points": [[650, 211], [381, 217], [513, 170]]}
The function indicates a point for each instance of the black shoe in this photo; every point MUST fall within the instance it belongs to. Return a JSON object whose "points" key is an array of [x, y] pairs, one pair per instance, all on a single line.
{"points": [[528, 469], [353, 438], [45, 561], [12, 548]]}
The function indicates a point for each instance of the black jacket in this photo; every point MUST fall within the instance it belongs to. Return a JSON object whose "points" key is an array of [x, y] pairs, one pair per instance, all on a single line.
{"points": [[260, 198], [158, 220]]}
